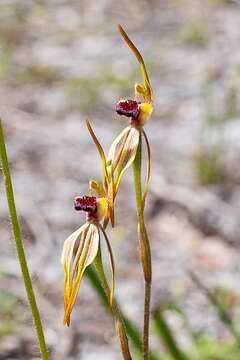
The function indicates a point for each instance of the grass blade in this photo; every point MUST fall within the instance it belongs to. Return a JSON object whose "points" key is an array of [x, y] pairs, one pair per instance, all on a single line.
{"points": [[223, 314], [167, 337]]}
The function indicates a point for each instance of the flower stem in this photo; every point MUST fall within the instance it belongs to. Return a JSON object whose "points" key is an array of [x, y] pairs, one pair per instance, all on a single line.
{"points": [[119, 323], [20, 248], [145, 250]]}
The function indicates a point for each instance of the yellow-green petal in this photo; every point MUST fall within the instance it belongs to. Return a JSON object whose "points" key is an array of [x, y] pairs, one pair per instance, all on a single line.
{"points": [[80, 250]]}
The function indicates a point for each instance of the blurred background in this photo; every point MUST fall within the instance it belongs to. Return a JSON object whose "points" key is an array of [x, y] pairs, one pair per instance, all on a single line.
{"points": [[62, 61]]}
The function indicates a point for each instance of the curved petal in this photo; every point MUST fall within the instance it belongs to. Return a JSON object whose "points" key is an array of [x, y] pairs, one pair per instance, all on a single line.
{"points": [[113, 161], [79, 251], [66, 259], [149, 170], [112, 264], [122, 153], [128, 153], [116, 149], [111, 196]]}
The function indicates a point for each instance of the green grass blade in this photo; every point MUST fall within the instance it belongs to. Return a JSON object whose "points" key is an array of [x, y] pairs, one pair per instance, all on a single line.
{"points": [[223, 314], [167, 337]]}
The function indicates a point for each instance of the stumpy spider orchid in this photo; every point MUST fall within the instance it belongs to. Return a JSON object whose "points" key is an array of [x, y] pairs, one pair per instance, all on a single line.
{"points": [[126, 151], [124, 148], [81, 247]]}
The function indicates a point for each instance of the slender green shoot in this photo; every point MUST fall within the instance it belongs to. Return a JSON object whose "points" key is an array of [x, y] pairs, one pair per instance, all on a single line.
{"points": [[19, 246]]}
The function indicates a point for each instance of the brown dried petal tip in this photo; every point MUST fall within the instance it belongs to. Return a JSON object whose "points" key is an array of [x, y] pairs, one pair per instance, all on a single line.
{"points": [[128, 108], [85, 203]]}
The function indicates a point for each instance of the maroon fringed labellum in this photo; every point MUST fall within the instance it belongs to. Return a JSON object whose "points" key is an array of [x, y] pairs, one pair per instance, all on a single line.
{"points": [[85, 203], [128, 108]]}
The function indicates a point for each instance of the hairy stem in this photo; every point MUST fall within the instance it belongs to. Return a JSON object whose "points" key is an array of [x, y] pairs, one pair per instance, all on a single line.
{"points": [[144, 245], [119, 323], [20, 248]]}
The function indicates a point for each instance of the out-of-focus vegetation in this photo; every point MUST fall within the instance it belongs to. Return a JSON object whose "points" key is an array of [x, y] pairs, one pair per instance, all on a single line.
{"points": [[10, 316], [194, 33], [208, 161], [95, 89]]}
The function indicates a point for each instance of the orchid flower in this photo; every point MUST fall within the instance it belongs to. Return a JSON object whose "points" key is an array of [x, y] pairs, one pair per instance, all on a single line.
{"points": [[81, 247], [124, 148], [125, 151]]}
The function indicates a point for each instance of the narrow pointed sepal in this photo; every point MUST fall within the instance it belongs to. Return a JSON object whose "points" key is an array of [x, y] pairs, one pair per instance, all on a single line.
{"points": [[99, 148], [146, 90]]}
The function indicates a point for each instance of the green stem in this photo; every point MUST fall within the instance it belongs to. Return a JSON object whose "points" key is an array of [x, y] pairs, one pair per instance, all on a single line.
{"points": [[19, 246], [119, 323], [145, 250]]}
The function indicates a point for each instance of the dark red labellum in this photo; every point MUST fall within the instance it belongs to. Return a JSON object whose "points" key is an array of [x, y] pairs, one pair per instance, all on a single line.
{"points": [[85, 203], [128, 108]]}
